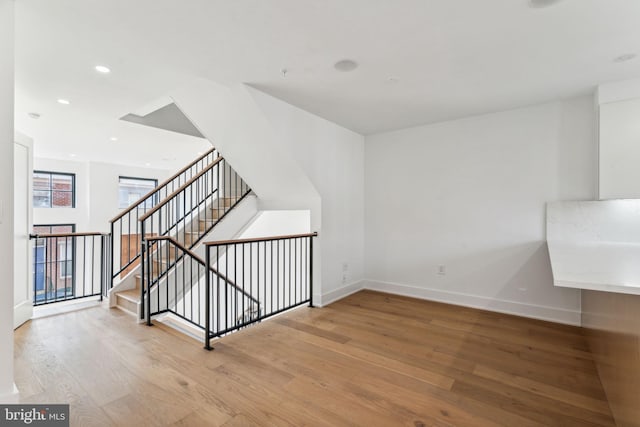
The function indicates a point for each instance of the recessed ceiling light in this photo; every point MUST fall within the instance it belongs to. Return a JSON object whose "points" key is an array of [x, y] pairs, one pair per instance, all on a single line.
{"points": [[147, 164], [346, 65], [72, 155], [34, 116], [102, 69], [113, 138], [625, 57], [542, 3], [63, 101]]}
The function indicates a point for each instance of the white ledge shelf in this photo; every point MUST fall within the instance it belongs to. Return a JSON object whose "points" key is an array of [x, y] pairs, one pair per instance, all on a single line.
{"points": [[595, 245], [605, 266]]}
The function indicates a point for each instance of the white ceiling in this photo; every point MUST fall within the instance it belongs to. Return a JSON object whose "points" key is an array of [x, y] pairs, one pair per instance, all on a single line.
{"points": [[451, 58]]}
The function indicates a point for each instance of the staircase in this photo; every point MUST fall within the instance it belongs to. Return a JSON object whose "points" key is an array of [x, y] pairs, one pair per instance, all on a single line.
{"points": [[207, 289], [177, 215]]}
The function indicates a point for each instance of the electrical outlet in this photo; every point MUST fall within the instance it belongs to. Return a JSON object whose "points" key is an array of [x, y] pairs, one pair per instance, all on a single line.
{"points": [[345, 267], [442, 270]]}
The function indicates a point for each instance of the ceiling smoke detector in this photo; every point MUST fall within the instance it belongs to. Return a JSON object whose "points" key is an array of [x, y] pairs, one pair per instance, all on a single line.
{"points": [[624, 58], [346, 65], [538, 4]]}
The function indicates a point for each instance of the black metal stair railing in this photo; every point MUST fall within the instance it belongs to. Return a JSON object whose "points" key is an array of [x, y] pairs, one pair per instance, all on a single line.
{"points": [[180, 290], [275, 271], [125, 232], [186, 215]]}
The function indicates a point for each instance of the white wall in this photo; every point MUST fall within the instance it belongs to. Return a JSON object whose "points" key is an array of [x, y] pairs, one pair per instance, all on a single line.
{"points": [[96, 192], [620, 149], [7, 389], [277, 223], [103, 182], [78, 215], [230, 119], [333, 159], [292, 160], [470, 195]]}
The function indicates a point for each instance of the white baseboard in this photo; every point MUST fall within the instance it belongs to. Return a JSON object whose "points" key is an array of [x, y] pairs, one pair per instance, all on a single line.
{"points": [[10, 398], [552, 314], [336, 294], [22, 312]]}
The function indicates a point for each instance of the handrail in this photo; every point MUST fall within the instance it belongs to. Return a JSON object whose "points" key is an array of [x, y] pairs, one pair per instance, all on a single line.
{"points": [[126, 229], [161, 203], [278, 270], [259, 239], [86, 234], [163, 184], [202, 262]]}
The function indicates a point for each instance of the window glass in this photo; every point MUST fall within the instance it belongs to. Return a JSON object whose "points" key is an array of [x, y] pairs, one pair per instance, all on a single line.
{"points": [[131, 190], [53, 190]]}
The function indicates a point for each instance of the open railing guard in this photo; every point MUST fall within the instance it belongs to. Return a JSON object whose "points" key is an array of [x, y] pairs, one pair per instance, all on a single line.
{"points": [[179, 289], [187, 215], [69, 266], [277, 271], [125, 227]]}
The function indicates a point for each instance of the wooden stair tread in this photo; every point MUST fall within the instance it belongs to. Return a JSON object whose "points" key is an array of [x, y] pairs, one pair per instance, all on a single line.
{"points": [[132, 295]]}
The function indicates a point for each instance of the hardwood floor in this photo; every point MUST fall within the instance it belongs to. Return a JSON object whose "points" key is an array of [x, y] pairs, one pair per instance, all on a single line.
{"points": [[371, 359]]}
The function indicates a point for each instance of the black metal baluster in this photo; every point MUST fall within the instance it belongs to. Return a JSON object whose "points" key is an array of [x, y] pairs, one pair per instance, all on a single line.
{"points": [[111, 250], [278, 276], [235, 282], [217, 327], [207, 302], [199, 301], [142, 270], [310, 271], [129, 239], [271, 271], [149, 275], [244, 281], [191, 292], [93, 255]]}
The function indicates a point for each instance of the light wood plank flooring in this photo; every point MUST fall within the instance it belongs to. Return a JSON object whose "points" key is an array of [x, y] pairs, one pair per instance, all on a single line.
{"points": [[369, 360]]}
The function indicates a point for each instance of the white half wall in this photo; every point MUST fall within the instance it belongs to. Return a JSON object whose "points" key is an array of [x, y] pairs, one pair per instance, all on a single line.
{"points": [[8, 392], [277, 223], [455, 211]]}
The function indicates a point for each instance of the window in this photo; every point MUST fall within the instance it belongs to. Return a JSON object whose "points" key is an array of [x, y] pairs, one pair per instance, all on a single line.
{"points": [[130, 190], [65, 259], [54, 190], [53, 261]]}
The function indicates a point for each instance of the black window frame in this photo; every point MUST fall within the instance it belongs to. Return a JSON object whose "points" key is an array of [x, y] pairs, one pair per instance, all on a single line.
{"points": [[51, 190], [138, 178]]}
